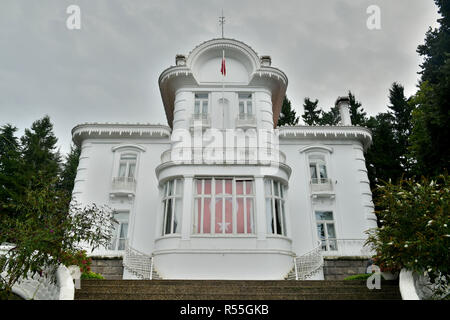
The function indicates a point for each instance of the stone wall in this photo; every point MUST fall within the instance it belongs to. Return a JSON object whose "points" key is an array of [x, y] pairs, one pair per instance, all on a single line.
{"points": [[339, 268], [109, 268]]}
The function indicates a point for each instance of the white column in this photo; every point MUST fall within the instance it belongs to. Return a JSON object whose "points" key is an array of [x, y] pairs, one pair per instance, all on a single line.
{"points": [[186, 220], [263, 109], [261, 227]]}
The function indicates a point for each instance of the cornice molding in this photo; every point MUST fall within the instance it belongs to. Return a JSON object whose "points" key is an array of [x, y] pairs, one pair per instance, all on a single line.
{"points": [[118, 131]]}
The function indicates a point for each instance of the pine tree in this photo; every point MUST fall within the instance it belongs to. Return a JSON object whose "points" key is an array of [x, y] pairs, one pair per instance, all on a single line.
{"points": [[12, 180], [69, 171], [288, 115], [311, 115], [431, 117], [357, 113], [39, 150], [330, 118], [402, 112]]}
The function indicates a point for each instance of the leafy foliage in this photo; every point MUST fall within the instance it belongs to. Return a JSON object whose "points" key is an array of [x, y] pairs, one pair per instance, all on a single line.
{"points": [[47, 234], [311, 115], [415, 230]]}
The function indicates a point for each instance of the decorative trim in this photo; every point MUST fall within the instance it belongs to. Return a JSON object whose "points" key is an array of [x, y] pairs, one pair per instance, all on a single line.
{"points": [[131, 146], [320, 147]]}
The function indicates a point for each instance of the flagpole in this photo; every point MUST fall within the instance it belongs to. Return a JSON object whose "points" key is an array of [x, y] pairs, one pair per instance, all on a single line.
{"points": [[223, 89]]}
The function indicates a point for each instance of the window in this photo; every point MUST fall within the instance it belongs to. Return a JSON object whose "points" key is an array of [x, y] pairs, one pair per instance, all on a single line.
{"points": [[224, 206], [275, 207], [172, 206], [120, 232], [318, 169], [245, 105], [201, 105], [326, 230], [127, 166]]}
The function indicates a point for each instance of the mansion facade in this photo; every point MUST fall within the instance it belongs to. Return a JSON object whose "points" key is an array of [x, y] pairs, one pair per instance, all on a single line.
{"points": [[220, 192]]}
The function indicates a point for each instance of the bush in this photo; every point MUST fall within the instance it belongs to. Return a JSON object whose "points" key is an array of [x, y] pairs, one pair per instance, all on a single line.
{"points": [[363, 276], [415, 230], [91, 275]]}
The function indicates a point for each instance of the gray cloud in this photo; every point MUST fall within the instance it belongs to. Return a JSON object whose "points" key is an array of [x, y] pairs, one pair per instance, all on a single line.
{"points": [[108, 70]]}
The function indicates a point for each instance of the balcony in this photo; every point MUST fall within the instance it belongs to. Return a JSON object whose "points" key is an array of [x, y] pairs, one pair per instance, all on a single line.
{"points": [[321, 187], [245, 120], [123, 186], [200, 119], [251, 155]]}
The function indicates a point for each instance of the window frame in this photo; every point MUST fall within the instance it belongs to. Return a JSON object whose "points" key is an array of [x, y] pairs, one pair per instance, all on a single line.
{"points": [[198, 229], [247, 102], [325, 224], [116, 244], [201, 106], [167, 197], [317, 161], [274, 198]]}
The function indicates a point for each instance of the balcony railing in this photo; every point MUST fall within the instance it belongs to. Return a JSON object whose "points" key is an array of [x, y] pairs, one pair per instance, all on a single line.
{"points": [[245, 120], [202, 119], [321, 185], [123, 185], [345, 247], [253, 155]]}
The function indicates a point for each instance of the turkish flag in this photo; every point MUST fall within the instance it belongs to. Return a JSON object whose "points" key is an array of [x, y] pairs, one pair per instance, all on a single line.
{"points": [[223, 69]]}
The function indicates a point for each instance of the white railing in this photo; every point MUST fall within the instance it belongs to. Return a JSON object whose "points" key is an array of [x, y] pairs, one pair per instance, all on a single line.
{"points": [[250, 155], [321, 184], [245, 119], [124, 184], [139, 264], [40, 287], [346, 247], [200, 118], [305, 266]]}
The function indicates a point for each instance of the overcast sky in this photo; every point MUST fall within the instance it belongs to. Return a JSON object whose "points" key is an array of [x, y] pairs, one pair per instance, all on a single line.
{"points": [[108, 71]]}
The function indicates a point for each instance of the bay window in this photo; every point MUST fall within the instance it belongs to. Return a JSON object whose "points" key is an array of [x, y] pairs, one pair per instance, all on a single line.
{"points": [[224, 206]]}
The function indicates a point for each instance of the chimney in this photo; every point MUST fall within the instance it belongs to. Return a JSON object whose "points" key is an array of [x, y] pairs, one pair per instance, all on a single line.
{"points": [[266, 61], [343, 104], [180, 60]]}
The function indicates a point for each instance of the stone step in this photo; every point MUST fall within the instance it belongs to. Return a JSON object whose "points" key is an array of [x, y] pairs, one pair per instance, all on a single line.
{"points": [[227, 289], [249, 296], [222, 283]]}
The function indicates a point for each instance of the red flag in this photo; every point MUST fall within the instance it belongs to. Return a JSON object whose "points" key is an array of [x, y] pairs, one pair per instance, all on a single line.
{"points": [[223, 70]]}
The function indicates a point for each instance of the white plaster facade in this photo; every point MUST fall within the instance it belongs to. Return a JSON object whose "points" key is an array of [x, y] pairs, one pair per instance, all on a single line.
{"points": [[128, 167]]}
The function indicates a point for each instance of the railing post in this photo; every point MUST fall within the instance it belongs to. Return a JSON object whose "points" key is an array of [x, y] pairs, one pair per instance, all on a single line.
{"points": [[296, 270], [151, 268]]}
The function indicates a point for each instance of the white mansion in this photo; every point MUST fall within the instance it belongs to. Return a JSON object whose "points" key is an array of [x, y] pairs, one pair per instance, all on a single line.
{"points": [[219, 193]]}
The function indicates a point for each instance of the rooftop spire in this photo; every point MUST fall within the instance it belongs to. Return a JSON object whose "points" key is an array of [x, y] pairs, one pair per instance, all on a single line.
{"points": [[222, 21]]}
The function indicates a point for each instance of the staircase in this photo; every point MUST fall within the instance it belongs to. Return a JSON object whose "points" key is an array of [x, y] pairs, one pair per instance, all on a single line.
{"points": [[234, 290]]}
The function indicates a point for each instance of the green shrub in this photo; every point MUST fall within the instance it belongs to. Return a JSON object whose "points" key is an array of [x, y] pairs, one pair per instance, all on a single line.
{"points": [[91, 275], [363, 276]]}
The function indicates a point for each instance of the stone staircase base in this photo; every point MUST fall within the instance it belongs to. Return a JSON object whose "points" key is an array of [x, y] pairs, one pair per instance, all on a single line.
{"points": [[234, 290]]}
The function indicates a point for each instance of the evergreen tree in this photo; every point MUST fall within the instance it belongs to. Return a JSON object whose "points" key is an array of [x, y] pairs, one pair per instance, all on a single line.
{"points": [[69, 171], [431, 125], [401, 110], [39, 150], [311, 115], [382, 159], [12, 181], [330, 118], [357, 113], [288, 115]]}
